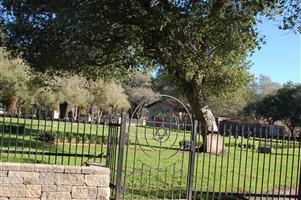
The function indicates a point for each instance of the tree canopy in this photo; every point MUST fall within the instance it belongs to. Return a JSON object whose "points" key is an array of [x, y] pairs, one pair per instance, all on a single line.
{"points": [[14, 82], [202, 45], [283, 106]]}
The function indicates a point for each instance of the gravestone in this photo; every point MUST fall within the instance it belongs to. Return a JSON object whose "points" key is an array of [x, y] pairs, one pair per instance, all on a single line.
{"points": [[215, 144], [265, 149]]}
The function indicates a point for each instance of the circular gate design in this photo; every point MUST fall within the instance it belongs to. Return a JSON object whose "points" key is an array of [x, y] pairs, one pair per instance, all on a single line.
{"points": [[167, 124], [158, 147]]}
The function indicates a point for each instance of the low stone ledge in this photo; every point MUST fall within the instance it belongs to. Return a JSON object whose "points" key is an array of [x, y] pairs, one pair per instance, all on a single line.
{"points": [[40, 181]]}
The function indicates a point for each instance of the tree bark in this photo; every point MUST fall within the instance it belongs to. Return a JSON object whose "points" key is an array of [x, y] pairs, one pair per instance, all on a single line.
{"points": [[63, 110], [11, 105], [201, 111]]}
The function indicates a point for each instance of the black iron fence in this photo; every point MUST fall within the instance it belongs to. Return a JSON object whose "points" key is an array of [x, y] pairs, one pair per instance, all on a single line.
{"points": [[244, 165], [27, 138], [169, 161]]}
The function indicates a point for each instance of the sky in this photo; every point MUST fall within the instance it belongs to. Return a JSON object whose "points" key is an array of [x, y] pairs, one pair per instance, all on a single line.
{"points": [[280, 57]]}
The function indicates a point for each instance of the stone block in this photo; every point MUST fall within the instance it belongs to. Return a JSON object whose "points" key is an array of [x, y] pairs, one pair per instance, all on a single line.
{"points": [[70, 179], [49, 188], [215, 144], [84, 192], [102, 170], [44, 168], [64, 188], [31, 180], [3, 173], [12, 190], [23, 174], [11, 167], [59, 169], [73, 170], [56, 196], [95, 170], [24, 199], [10, 180], [33, 190], [48, 178], [97, 180], [27, 167], [88, 170], [103, 193]]}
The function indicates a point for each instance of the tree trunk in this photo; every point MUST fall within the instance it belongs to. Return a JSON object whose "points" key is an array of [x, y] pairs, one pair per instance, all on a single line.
{"points": [[63, 110], [201, 111], [11, 105]]}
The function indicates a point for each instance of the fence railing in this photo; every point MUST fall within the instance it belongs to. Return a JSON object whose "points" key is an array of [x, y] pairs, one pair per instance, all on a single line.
{"points": [[247, 161], [26, 138], [241, 161]]}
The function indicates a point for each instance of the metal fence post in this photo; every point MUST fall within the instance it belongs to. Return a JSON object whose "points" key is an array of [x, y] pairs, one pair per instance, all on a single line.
{"points": [[299, 186], [122, 138], [191, 161]]}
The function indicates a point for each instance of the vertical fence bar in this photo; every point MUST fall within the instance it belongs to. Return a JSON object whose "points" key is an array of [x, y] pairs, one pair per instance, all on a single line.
{"points": [[37, 136], [246, 158], [275, 162], [9, 136], [286, 164], [209, 165], [240, 157], [222, 162], [17, 134], [30, 134], [52, 139], [191, 160], [70, 138], [215, 164], [44, 136], [57, 140], [2, 135], [197, 161], [258, 159], [228, 157], [263, 163], [234, 158], [271, 134], [23, 137], [252, 160], [64, 138], [299, 185], [293, 159], [281, 165], [122, 139]]}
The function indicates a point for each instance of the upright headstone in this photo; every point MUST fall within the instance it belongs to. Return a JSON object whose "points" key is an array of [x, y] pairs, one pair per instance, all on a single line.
{"points": [[215, 144]]}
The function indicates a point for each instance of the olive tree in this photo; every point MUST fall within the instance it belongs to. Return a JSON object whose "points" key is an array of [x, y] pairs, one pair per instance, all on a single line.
{"points": [[202, 45]]}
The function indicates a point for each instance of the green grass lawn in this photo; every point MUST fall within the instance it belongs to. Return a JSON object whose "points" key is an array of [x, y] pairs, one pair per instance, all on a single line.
{"points": [[157, 169]]}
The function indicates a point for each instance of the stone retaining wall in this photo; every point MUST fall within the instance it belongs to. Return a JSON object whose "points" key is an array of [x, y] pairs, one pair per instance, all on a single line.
{"points": [[39, 181]]}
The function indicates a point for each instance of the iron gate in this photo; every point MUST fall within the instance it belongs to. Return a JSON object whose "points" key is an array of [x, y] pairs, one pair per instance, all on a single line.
{"points": [[159, 154]]}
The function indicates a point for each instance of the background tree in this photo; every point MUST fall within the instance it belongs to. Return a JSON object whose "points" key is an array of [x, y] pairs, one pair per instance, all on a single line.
{"points": [[282, 106], [202, 45], [138, 89], [266, 86], [115, 98], [291, 12], [14, 78], [108, 97], [71, 89]]}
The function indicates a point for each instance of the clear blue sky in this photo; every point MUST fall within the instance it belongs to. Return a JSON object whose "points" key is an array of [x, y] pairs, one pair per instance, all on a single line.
{"points": [[280, 57]]}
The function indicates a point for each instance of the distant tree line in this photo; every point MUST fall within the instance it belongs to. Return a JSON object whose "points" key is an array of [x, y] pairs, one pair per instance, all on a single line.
{"points": [[282, 106], [24, 89]]}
